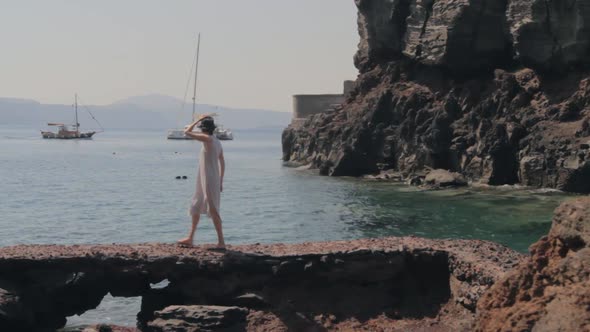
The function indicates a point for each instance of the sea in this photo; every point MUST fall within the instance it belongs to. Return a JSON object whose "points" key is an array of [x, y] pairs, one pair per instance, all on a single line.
{"points": [[123, 187]]}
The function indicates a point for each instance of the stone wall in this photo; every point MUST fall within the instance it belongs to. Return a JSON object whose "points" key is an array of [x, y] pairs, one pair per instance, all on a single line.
{"points": [[348, 87], [306, 105]]}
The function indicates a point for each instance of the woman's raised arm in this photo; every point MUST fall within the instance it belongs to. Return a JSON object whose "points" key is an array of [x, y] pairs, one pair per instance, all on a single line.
{"points": [[198, 136]]}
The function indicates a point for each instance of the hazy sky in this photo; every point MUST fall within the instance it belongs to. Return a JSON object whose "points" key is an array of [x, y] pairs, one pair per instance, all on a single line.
{"points": [[254, 54]]}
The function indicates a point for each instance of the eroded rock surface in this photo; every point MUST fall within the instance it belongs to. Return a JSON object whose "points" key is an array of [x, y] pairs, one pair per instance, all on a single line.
{"points": [[550, 34], [463, 35], [103, 328], [331, 285], [199, 318], [550, 291], [495, 90]]}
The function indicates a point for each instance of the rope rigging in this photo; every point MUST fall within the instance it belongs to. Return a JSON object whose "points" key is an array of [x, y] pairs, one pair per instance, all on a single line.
{"points": [[91, 115], [188, 82]]}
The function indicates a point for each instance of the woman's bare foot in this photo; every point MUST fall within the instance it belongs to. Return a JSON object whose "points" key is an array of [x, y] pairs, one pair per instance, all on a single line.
{"points": [[188, 242]]}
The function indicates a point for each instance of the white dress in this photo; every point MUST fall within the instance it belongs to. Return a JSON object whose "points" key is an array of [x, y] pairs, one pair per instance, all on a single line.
{"points": [[208, 189]]}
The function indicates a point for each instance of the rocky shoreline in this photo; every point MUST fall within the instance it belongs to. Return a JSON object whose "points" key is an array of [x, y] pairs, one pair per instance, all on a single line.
{"points": [[497, 92], [386, 284], [279, 287]]}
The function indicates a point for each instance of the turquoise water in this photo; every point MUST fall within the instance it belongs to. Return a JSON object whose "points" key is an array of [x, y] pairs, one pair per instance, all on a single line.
{"points": [[121, 187]]}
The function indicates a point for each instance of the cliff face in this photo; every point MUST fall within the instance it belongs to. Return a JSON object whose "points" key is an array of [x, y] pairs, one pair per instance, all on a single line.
{"points": [[495, 90]]}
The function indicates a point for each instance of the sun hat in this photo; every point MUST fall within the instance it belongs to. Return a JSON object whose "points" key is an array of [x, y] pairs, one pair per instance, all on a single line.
{"points": [[207, 123]]}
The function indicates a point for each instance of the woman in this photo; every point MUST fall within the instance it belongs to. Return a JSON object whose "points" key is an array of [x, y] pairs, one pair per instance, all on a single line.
{"points": [[209, 179]]}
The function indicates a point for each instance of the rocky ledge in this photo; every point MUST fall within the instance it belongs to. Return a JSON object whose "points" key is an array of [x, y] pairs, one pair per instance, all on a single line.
{"points": [[549, 291], [498, 91], [370, 284]]}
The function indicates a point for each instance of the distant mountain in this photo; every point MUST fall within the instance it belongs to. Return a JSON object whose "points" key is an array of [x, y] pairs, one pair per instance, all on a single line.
{"points": [[152, 111], [18, 101], [152, 101]]}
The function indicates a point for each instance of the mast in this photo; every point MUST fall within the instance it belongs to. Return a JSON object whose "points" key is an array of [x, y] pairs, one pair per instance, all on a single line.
{"points": [[196, 73], [76, 108]]}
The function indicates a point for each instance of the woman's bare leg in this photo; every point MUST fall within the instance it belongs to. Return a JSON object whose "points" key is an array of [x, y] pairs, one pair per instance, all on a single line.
{"points": [[189, 240], [217, 223]]}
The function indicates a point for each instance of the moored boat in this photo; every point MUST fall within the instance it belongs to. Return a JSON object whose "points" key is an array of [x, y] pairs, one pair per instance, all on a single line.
{"points": [[177, 134], [223, 134], [65, 131], [220, 132]]}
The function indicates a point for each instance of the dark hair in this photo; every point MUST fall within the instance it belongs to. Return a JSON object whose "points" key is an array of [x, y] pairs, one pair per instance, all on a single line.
{"points": [[207, 125]]}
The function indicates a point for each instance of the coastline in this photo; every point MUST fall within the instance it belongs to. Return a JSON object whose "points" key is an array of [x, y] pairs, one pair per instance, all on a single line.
{"points": [[442, 273], [416, 180]]}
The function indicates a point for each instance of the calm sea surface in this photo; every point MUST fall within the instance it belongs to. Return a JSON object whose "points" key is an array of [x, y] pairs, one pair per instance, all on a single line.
{"points": [[121, 188]]}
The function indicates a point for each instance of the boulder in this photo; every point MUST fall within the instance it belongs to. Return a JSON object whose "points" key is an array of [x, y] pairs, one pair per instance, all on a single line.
{"points": [[575, 178], [440, 178], [532, 170]]}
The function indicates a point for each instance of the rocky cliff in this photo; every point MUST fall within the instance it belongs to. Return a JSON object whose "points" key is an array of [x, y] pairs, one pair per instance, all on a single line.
{"points": [[498, 91]]}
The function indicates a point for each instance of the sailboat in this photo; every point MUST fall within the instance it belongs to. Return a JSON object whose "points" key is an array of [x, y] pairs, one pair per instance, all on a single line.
{"points": [[223, 134], [220, 132], [65, 131]]}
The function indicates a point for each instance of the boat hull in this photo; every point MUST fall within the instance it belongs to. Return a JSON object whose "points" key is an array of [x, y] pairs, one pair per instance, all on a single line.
{"points": [[178, 134], [51, 135], [223, 137], [223, 134]]}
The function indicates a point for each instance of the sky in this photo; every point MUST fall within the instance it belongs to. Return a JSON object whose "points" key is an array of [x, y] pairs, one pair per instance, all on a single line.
{"points": [[254, 54]]}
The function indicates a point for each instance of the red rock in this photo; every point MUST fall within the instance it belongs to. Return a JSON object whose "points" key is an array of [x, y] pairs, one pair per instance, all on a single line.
{"points": [[550, 291]]}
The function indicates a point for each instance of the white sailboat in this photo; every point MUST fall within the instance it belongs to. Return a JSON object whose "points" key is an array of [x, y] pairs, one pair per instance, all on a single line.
{"points": [[223, 134], [65, 131], [220, 132]]}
